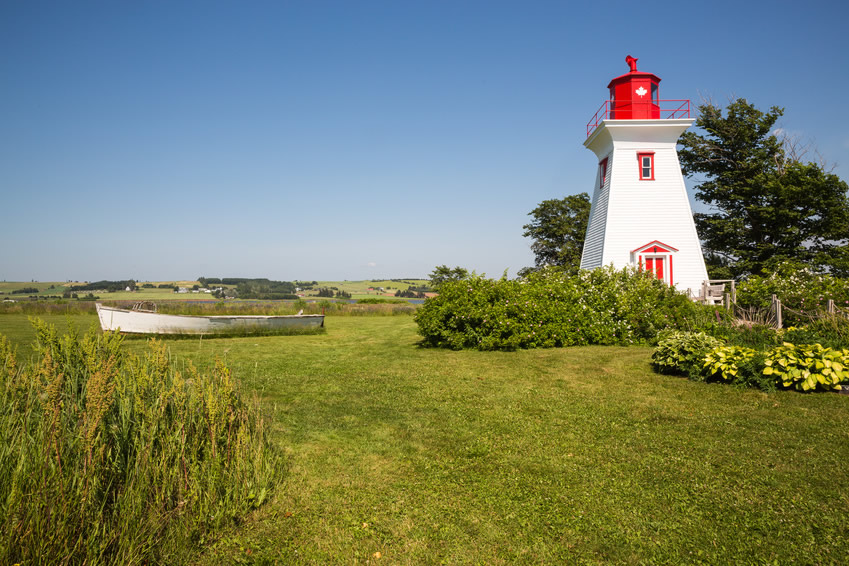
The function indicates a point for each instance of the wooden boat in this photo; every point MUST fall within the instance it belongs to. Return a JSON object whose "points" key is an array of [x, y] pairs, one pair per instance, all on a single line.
{"points": [[143, 319]]}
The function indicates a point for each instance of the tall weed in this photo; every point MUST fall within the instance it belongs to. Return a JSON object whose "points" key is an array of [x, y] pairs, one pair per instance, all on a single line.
{"points": [[108, 457]]}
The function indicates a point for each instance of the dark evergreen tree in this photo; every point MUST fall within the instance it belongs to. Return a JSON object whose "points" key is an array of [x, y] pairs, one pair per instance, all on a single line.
{"points": [[765, 208]]}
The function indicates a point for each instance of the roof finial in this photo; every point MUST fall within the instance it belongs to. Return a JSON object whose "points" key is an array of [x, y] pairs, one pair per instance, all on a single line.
{"points": [[632, 62]]}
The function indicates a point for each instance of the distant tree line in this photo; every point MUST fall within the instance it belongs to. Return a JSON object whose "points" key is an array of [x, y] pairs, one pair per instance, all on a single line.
{"points": [[210, 281], [256, 285], [265, 289], [71, 295], [333, 292], [110, 286], [25, 291], [410, 294], [419, 288]]}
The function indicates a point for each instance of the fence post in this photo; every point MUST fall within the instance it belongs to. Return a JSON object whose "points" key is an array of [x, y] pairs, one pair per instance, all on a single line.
{"points": [[733, 292], [727, 301], [776, 306], [831, 306]]}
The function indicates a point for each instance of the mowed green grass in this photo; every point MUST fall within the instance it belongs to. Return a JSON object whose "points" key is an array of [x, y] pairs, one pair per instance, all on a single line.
{"points": [[404, 455], [18, 329]]}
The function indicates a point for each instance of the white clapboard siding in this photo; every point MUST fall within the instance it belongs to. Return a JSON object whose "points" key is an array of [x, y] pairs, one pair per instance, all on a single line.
{"points": [[627, 212], [591, 256]]}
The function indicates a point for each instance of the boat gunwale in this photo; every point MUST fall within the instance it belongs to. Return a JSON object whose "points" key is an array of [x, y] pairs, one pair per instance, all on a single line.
{"points": [[210, 316]]}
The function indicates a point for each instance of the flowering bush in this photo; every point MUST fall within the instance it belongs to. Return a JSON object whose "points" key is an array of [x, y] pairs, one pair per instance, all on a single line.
{"points": [[551, 309], [797, 286]]}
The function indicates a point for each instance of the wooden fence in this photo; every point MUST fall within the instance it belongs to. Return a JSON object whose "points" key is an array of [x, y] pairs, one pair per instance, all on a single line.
{"points": [[714, 292]]}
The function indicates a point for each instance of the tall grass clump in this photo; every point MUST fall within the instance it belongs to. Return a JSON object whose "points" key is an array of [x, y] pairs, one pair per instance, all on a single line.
{"points": [[112, 458], [48, 307], [551, 309]]}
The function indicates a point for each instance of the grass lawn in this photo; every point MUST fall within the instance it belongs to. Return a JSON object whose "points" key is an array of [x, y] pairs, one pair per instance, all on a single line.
{"points": [[404, 455]]}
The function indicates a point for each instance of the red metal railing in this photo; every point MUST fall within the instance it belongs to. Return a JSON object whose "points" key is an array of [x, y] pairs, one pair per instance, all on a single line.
{"points": [[668, 110]]}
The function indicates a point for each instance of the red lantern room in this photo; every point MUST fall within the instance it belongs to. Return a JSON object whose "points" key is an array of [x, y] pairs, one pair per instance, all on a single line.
{"points": [[633, 96]]}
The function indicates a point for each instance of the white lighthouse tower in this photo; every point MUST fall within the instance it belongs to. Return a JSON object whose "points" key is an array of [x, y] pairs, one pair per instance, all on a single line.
{"points": [[640, 213]]}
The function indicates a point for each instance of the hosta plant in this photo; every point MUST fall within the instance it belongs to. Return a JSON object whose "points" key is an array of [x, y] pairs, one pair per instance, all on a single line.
{"points": [[807, 367], [726, 362], [680, 352]]}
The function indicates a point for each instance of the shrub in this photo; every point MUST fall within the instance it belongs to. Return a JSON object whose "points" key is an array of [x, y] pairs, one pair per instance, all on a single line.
{"points": [[797, 286], [683, 353], [807, 367], [108, 457], [550, 309]]}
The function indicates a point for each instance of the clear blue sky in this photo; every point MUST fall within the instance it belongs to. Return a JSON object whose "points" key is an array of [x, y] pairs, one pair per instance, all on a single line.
{"points": [[343, 139]]}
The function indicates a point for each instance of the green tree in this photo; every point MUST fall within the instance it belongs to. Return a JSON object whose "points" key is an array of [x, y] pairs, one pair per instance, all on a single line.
{"points": [[558, 229], [765, 208], [442, 274]]}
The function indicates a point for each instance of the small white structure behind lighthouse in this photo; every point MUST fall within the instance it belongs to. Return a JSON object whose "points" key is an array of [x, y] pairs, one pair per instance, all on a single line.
{"points": [[640, 213]]}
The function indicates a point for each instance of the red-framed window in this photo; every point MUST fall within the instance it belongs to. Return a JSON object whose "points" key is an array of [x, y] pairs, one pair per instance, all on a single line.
{"points": [[645, 162], [602, 172]]}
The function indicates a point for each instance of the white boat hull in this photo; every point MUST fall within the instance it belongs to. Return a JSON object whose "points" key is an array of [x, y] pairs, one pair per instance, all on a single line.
{"points": [[141, 322]]}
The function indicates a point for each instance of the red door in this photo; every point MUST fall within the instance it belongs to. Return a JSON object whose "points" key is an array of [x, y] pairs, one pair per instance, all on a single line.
{"points": [[655, 265]]}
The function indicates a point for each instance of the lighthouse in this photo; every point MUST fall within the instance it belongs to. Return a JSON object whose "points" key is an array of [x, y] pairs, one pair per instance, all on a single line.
{"points": [[640, 214]]}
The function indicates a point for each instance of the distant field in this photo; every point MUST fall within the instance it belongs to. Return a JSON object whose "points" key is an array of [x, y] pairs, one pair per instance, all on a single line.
{"points": [[50, 288], [364, 289], [44, 287], [357, 289]]}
